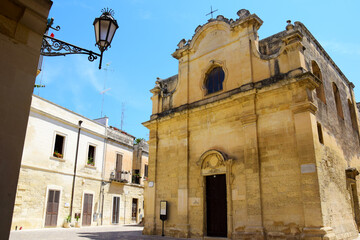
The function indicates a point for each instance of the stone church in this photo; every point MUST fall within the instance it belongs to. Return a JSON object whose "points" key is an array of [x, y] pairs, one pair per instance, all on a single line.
{"points": [[253, 139]]}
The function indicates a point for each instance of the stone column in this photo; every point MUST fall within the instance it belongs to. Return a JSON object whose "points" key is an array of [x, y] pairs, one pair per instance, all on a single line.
{"points": [[150, 185], [254, 228], [22, 25], [305, 125], [183, 178]]}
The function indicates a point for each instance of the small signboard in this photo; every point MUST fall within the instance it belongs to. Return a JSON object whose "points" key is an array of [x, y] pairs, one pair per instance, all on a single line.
{"points": [[163, 214], [308, 168], [163, 210]]}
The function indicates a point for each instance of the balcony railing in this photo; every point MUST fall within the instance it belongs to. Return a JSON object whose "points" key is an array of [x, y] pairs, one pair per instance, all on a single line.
{"points": [[122, 176]]}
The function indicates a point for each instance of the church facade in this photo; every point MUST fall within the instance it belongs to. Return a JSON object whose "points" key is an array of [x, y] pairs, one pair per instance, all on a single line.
{"points": [[253, 139]]}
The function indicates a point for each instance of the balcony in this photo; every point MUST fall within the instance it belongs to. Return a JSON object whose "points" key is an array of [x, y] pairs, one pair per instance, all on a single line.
{"points": [[123, 176]]}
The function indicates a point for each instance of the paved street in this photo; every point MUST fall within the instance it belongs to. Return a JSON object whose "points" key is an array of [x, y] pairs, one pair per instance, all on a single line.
{"points": [[126, 232]]}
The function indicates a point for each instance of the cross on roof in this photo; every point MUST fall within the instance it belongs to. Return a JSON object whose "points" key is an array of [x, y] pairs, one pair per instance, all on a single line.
{"points": [[211, 12]]}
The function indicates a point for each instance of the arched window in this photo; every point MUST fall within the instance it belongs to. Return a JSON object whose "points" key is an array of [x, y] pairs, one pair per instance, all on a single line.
{"points": [[320, 93], [337, 100], [352, 114], [214, 80]]}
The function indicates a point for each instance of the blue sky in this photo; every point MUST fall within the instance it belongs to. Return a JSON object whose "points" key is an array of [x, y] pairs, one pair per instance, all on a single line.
{"points": [[149, 32]]}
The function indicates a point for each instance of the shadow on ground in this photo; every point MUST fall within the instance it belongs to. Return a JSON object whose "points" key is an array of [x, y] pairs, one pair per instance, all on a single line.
{"points": [[123, 235], [133, 225]]}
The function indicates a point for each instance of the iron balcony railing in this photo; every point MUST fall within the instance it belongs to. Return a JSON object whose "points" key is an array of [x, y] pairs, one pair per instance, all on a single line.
{"points": [[120, 176]]}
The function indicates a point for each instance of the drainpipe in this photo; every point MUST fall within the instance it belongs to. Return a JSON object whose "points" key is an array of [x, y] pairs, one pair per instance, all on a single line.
{"points": [[103, 183], [75, 164]]}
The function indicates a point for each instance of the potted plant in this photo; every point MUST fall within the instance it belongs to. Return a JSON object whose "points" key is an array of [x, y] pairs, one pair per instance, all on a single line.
{"points": [[67, 222], [77, 216], [90, 161], [57, 154], [136, 178]]}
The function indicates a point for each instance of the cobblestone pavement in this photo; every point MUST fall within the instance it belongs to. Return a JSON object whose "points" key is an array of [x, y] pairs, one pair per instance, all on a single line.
{"points": [[126, 232]]}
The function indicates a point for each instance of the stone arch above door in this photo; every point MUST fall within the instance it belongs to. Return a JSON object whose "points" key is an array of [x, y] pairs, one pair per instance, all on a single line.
{"points": [[213, 162]]}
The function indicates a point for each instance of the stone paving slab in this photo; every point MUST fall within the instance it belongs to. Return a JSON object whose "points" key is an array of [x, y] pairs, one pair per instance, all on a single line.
{"points": [[123, 232]]}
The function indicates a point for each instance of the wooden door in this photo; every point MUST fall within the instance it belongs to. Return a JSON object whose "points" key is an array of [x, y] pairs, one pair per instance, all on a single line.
{"points": [[216, 206], [87, 209], [134, 209], [52, 208], [118, 167], [116, 210]]}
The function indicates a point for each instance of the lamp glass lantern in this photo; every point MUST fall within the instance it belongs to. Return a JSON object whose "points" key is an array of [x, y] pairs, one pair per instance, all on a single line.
{"points": [[105, 27]]}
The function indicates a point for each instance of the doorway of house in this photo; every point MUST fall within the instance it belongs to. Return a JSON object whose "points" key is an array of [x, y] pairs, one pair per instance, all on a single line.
{"points": [[134, 209], [87, 209], [216, 206], [52, 208], [116, 210]]}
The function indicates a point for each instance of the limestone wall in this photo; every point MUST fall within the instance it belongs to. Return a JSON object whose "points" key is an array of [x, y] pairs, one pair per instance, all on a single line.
{"points": [[126, 193], [281, 181], [32, 194], [22, 25], [341, 144], [41, 171], [223, 126]]}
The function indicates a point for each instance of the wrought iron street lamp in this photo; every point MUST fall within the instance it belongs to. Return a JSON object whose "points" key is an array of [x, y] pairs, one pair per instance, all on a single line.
{"points": [[105, 28]]}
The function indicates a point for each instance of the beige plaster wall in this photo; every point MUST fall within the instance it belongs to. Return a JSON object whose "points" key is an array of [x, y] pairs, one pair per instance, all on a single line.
{"points": [[41, 171], [112, 149]]}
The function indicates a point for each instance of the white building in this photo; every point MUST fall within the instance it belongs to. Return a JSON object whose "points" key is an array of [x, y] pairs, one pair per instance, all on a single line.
{"points": [[56, 138]]}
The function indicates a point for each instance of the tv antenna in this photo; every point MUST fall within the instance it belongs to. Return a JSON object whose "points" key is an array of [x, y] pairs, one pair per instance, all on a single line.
{"points": [[122, 115], [104, 89]]}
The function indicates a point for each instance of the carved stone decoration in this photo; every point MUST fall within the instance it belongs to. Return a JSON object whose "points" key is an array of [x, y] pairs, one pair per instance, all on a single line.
{"points": [[243, 13], [182, 43], [213, 162]]}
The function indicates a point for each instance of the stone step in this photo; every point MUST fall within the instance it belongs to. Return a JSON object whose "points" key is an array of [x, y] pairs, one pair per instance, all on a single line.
{"points": [[215, 238]]}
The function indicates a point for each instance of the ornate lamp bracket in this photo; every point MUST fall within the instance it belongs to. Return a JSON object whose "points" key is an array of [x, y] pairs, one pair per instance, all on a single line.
{"points": [[55, 47]]}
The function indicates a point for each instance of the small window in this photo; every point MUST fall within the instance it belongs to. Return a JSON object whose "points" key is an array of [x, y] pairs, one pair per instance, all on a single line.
{"points": [[214, 80], [320, 93], [91, 155], [320, 134], [146, 170], [338, 101], [59, 146]]}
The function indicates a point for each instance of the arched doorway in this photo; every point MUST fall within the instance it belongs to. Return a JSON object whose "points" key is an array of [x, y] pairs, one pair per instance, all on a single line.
{"points": [[215, 168], [216, 206]]}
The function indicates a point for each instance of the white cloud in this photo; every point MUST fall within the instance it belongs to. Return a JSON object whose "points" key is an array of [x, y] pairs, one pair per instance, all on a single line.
{"points": [[342, 47], [89, 73]]}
